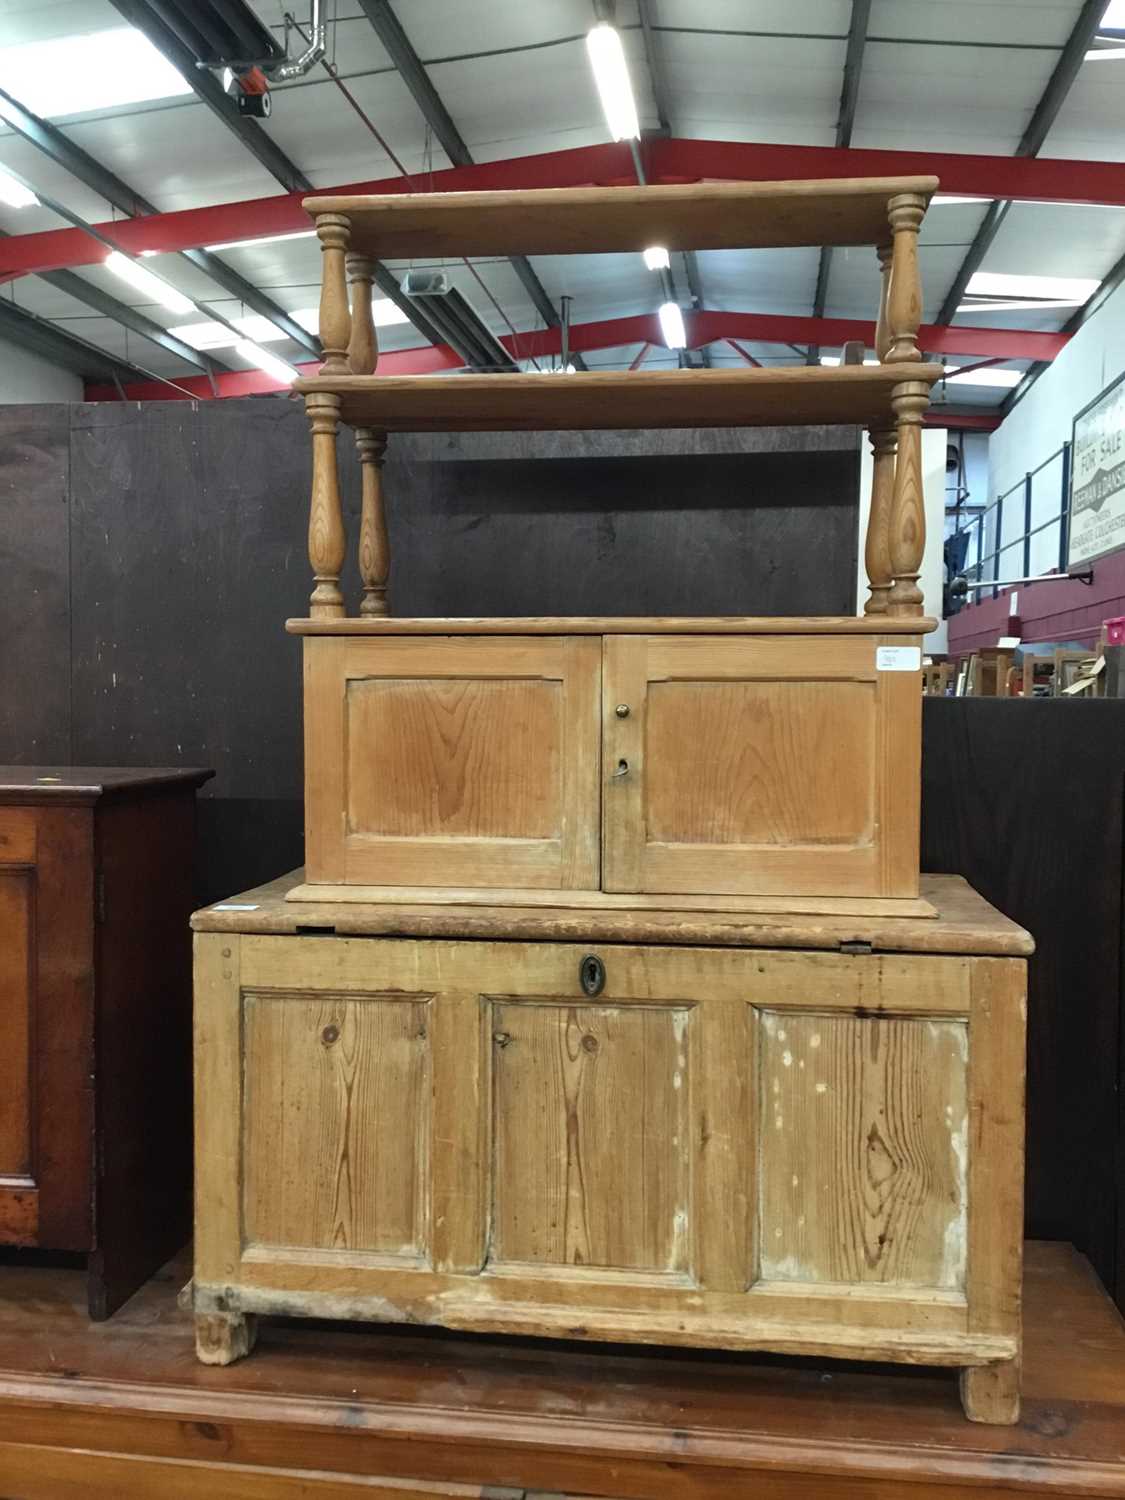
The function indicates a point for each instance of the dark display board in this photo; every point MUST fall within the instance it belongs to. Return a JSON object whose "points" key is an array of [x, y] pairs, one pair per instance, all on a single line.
{"points": [[154, 551]]}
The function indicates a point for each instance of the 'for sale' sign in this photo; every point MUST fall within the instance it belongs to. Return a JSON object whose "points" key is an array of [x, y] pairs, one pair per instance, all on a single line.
{"points": [[1097, 477]]}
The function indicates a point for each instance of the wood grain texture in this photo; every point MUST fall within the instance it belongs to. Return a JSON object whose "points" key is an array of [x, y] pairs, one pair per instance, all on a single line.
{"points": [[863, 1150], [335, 317], [468, 757], [374, 545], [964, 924], [561, 221], [217, 1057], [741, 397], [458, 762], [877, 544], [759, 762], [327, 542], [16, 1016], [517, 625], [591, 1149], [337, 1122], [567, 1418], [759, 766]]}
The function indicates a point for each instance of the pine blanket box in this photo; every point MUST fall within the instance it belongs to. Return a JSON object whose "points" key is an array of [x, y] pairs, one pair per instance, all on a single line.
{"points": [[792, 1133]]}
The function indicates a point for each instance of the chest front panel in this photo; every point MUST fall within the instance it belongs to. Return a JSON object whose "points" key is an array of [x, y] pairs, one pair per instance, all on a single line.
{"points": [[741, 1140]]}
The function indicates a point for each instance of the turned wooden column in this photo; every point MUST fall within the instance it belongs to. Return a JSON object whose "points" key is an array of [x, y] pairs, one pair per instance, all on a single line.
{"points": [[908, 512], [882, 325], [374, 548], [326, 521], [877, 550], [334, 232], [904, 299], [363, 347]]}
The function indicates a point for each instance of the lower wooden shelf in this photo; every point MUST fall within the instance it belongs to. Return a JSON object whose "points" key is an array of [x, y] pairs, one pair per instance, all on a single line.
{"points": [[322, 1413]]}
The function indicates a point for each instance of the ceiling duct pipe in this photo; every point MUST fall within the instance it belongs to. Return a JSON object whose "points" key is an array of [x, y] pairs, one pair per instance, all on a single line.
{"points": [[318, 45]]}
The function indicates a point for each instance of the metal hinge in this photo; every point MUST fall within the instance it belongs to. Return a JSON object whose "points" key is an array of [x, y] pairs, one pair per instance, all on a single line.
{"points": [[99, 896], [855, 947]]}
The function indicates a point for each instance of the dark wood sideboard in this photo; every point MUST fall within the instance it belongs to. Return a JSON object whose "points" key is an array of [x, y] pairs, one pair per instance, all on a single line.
{"points": [[96, 887]]}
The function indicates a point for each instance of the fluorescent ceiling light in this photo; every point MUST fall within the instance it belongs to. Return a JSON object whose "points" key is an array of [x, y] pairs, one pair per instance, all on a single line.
{"points": [[284, 374], [1027, 304], [213, 335], [1073, 289], [265, 239], [13, 193], [672, 325], [611, 74], [656, 258], [384, 314], [1104, 54], [148, 282], [1004, 378], [1113, 17], [939, 199], [69, 75], [834, 359]]}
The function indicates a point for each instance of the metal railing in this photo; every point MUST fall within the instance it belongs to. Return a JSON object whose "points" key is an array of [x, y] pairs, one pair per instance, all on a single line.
{"points": [[1017, 550]]}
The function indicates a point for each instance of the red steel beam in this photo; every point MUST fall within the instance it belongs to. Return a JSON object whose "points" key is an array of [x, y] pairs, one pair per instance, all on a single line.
{"points": [[673, 160], [610, 333]]}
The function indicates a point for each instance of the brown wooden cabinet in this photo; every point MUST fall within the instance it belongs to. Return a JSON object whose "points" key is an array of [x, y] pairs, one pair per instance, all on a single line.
{"points": [[96, 883]]}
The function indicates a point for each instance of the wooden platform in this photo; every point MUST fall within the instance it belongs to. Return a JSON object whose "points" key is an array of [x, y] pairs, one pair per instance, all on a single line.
{"points": [[122, 1409]]}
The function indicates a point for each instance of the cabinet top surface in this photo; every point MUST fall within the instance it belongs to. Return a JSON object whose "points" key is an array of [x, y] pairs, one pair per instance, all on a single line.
{"points": [[578, 221], [775, 625], [87, 783], [587, 400], [965, 923]]}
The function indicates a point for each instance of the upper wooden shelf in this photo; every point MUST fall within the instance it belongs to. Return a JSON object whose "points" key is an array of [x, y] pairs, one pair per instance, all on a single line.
{"points": [[641, 398], [573, 221]]}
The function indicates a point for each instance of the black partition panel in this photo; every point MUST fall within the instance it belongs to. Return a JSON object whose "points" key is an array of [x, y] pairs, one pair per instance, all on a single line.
{"points": [[155, 550]]}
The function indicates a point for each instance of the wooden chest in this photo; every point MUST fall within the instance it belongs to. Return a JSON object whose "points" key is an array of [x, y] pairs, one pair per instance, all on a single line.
{"points": [[96, 886], [792, 1134]]}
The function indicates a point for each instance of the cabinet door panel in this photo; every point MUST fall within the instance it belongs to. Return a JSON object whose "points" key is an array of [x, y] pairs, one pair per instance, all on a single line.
{"points": [[759, 766], [455, 762], [336, 1151], [865, 1176], [591, 1157]]}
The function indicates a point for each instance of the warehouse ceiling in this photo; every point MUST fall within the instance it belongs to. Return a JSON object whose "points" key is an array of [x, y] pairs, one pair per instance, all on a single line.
{"points": [[110, 129]]}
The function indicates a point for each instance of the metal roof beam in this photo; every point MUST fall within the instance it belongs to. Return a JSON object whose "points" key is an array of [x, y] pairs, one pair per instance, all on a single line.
{"points": [[50, 140], [849, 98], [40, 336], [413, 73], [120, 312], [1079, 42]]}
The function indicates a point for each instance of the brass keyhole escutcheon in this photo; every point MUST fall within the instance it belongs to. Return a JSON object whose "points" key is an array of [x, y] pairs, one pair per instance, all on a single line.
{"points": [[591, 975]]}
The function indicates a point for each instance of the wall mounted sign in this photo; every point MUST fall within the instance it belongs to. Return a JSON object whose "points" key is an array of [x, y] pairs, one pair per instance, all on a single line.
{"points": [[1097, 477]]}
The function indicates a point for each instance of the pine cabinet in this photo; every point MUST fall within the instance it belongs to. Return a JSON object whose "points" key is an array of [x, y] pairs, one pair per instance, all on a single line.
{"points": [[742, 764]]}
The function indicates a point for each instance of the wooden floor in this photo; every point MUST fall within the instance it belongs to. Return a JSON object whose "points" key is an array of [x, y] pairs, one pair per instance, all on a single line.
{"points": [[122, 1409]]}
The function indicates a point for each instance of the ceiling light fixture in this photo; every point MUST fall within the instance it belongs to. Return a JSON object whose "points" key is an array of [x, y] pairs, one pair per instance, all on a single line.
{"points": [[13, 193], [1003, 378], [611, 74], [148, 282], [834, 359], [269, 363], [1074, 289], [265, 239], [656, 258], [69, 75], [672, 325]]}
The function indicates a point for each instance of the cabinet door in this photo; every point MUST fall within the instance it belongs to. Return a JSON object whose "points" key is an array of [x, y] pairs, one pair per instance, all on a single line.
{"points": [[761, 765], [46, 997], [453, 762]]}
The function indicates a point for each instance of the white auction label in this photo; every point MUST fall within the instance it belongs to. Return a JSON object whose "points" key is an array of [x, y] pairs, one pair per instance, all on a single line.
{"points": [[898, 658]]}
